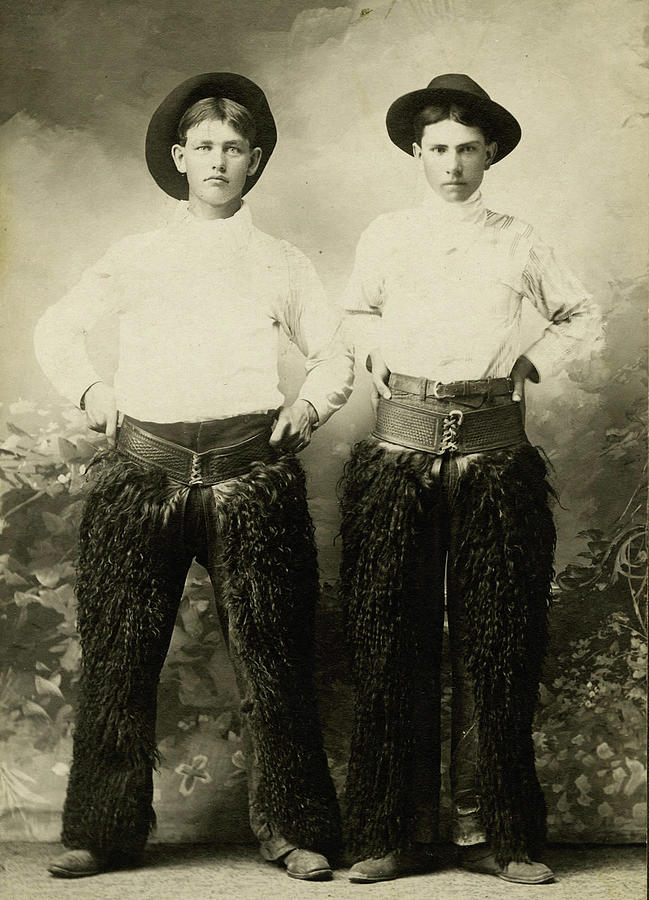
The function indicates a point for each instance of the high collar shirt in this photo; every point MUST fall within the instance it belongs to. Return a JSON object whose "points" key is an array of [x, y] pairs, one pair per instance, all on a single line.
{"points": [[445, 282], [200, 306]]}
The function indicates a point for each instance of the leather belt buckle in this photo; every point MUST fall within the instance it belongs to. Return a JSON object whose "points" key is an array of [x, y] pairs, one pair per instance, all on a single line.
{"points": [[439, 392]]}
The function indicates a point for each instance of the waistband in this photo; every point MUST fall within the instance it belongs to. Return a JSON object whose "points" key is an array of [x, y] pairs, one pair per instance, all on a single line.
{"points": [[424, 387], [189, 466], [210, 434], [431, 430]]}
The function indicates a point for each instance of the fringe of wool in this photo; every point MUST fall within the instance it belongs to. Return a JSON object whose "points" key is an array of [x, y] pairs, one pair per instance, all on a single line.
{"points": [[123, 595], [383, 511], [271, 589], [504, 569], [127, 587], [506, 583]]}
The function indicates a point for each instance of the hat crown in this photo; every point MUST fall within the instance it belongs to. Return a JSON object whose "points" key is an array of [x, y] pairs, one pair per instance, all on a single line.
{"points": [[461, 83]]}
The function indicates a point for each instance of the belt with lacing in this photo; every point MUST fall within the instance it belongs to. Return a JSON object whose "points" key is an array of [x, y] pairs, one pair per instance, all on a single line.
{"points": [[192, 468], [422, 416]]}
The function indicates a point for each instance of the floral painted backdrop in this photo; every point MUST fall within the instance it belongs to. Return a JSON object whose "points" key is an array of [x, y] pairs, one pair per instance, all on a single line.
{"points": [[590, 727], [81, 80]]}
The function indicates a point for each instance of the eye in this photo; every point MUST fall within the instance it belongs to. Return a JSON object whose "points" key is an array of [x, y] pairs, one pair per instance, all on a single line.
{"points": [[235, 151]]}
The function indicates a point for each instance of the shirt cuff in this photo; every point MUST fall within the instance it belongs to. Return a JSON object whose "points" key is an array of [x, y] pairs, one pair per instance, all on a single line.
{"points": [[82, 401], [543, 356], [320, 403]]}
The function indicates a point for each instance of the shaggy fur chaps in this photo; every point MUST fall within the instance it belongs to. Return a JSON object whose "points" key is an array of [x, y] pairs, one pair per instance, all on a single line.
{"points": [[130, 578], [503, 567]]}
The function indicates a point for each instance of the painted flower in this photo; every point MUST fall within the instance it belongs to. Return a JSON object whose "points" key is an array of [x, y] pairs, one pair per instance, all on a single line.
{"points": [[192, 772]]}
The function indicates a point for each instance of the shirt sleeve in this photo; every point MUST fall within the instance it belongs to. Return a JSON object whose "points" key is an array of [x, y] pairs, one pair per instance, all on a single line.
{"points": [[364, 296], [575, 327], [61, 332], [315, 327]]}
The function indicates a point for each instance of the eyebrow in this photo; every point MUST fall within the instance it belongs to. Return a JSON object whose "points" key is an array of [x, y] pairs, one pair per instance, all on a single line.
{"points": [[230, 143], [458, 146]]}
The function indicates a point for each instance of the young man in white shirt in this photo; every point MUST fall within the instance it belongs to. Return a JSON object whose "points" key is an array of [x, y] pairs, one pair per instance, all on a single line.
{"points": [[202, 465], [448, 501]]}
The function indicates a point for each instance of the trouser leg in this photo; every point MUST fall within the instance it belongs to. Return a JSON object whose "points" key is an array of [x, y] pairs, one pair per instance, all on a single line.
{"points": [[466, 823], [500, 569], [131, 574], [272, 844], [264, 568]]}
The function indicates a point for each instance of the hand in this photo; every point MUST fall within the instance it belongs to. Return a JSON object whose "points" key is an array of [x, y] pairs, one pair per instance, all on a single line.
{"points": [[294, 426], [521, 371], [101, 412], [375, 364]]}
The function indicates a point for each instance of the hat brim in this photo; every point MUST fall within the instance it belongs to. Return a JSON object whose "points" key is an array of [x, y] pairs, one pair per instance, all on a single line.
{"points": [[401, 115], [162, 131]]}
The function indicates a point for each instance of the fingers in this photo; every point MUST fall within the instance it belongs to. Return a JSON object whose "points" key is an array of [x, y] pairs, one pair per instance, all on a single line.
{"points": [[101, 410], [105, 423], [293, 429], [111, 429]]}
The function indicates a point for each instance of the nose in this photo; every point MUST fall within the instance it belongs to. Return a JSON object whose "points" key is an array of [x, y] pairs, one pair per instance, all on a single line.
{"points": [[454, 164], [220, 162]]}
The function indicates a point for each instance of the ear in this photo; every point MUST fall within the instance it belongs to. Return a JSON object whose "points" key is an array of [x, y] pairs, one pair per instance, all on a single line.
{"points": [[255, 159], [416, 150], [492, 149], [178, 154]]}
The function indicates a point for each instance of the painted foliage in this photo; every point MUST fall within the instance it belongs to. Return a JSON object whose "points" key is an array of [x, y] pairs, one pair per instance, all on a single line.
{"points": [[80, 86], [590, 725]]}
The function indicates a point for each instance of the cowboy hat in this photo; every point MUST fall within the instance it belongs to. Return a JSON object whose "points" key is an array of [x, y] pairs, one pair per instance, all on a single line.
{"points": [[162, 132], [452, 88]]}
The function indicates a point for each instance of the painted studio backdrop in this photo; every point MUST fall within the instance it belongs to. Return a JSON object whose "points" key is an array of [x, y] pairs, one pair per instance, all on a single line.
{"points": [[81, 81]]}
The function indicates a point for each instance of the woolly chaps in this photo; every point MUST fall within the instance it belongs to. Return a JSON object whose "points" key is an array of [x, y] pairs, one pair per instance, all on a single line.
{"points": [[504, 567], [131, 574]]}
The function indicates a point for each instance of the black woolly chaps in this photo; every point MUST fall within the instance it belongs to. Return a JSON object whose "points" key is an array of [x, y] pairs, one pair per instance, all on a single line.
{"points": [[128, 587], [504, 568]]}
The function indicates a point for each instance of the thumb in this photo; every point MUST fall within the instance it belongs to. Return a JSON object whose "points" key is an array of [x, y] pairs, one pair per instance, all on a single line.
{"points": [[111, 429], [381, 387], [519, 386], [278, 431]]}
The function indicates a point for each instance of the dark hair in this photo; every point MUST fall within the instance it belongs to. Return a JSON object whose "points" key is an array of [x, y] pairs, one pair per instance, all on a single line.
{"points": [[472, 118], [222, 109]]}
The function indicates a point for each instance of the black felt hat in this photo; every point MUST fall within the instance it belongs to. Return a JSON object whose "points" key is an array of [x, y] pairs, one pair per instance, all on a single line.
{"points": [[162, 133], [454, 89]]}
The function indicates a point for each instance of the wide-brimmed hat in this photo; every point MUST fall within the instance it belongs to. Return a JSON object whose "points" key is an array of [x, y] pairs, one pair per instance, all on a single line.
{"points": [[454, 89], [162, 133]]}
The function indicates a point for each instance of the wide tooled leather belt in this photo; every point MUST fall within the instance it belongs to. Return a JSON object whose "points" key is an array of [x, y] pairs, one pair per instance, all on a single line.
{"points": [[184, 465], [417, 427]]}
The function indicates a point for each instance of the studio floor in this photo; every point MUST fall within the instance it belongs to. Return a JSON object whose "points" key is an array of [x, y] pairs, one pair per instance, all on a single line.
{"points": [[199, 871]]}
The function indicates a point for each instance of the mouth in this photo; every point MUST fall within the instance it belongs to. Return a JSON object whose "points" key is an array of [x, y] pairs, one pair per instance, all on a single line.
{"points": [[218, 178]]}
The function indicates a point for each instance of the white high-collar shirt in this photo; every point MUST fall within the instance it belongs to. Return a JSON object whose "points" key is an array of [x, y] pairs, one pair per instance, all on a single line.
{"points": [[445, 284], [200, 304]]}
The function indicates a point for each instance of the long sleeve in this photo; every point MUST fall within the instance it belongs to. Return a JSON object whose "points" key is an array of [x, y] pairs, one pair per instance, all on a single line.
{"points": [[575, 320], [61, 332], [364, 295], [315, 327]]}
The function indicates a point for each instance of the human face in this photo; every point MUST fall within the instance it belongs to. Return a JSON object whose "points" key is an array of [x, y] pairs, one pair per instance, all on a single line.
{"points": [[455, 158], [217, 160]]}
